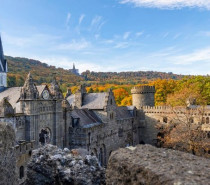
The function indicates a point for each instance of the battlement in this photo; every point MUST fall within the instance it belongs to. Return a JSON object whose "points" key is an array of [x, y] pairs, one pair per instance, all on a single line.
{"points": [[24, 147], [143, 89], [173, 110]]}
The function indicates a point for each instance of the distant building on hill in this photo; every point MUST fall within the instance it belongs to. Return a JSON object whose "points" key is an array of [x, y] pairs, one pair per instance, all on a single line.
{"points": [[74, 70]]}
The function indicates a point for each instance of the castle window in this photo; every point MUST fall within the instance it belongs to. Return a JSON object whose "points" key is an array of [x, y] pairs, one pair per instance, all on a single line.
{"points": [[75, 122], [207, 120], [165, 119], [191, 120], [120, 132], [89, 140], [21, 172], [111, 101], [111, 116]]}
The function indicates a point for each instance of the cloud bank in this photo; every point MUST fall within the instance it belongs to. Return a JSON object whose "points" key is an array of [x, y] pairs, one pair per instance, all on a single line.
{"points": [[169, 4]]}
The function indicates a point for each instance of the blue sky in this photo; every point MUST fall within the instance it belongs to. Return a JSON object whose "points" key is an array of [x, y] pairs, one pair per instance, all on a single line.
{"points": [[110, 35]]}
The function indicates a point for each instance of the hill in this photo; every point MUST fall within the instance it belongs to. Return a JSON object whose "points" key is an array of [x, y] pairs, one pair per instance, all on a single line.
{"points": [[128, 77], [43, 73]]}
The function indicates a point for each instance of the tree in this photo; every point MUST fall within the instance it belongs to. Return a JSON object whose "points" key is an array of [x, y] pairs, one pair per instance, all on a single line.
{"points": [[183, 129]]}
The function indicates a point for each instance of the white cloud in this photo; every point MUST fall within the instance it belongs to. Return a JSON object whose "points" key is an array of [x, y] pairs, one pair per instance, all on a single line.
{"points": [[177, 36], [74, 45], [28, 41], [126, 35], [97, 23], [121, 45], [68, 19], [169, 4], [202, 55], [138, 34], [165, 34], [81, 18]]}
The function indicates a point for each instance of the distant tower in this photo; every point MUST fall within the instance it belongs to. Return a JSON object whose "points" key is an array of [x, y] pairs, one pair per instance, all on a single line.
{"points": [[143, 96], [3, 69], [74, 70]]}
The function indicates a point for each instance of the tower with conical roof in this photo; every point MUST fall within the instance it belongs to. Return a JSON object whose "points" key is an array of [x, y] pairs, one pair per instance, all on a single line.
{"points": [[3, 69]]}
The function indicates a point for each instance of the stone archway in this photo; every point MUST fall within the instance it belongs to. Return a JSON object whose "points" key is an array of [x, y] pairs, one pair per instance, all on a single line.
{"points": [[45, 136]]}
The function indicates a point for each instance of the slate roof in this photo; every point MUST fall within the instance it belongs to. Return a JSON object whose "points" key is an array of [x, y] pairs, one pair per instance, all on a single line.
{"points": [[3, 62], [13, 94], [87, 118], [123, 113], [94, 101]]}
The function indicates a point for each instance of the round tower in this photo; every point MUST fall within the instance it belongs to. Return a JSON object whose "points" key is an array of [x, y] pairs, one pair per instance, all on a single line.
{"points": [[143, 96]]}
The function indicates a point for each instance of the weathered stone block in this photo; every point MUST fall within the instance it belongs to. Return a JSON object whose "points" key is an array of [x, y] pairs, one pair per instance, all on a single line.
{"points": [[146, 164]]}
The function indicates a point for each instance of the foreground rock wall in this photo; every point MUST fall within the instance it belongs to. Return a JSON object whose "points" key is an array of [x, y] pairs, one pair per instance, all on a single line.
{"points": [[146, 164], [7, 155]]}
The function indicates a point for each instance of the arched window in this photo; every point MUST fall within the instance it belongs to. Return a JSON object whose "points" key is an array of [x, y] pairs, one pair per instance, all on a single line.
{"points": [[191, 120], [165, 119], [111, 101], [207, 120], [21, 172]]}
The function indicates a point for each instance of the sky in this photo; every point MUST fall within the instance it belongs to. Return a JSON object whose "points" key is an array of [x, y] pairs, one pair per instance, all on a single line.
{"points": [[110, 35]]}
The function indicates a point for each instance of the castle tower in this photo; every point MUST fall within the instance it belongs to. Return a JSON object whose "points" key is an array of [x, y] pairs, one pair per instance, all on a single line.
{"points": [[143, 96], [3, 69]]}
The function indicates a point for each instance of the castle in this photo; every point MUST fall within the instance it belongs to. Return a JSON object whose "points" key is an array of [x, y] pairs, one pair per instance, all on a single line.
{"points": [[40, 114], [74, 70]]}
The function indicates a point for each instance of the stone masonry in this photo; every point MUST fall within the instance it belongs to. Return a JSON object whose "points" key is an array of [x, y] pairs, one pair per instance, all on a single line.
{"points": [[146, 164]]}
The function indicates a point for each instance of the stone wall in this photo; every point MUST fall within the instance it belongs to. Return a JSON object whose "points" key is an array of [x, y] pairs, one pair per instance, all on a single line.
{"points": [[7, 155], [146, 164]]}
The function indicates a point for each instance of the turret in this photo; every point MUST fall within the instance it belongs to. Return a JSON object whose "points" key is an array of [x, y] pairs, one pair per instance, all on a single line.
{"points": [[143, 96], [29, 90], [3, 69], [55, 89]]}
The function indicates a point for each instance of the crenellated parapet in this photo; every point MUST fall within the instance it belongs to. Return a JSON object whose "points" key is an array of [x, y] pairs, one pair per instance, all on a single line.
{"points": [[143, 89], [143, 96]]}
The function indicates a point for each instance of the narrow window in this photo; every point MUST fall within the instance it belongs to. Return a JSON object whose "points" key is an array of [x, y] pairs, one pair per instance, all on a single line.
{"points": [[21, 172], [207, 120], [165, 120]]}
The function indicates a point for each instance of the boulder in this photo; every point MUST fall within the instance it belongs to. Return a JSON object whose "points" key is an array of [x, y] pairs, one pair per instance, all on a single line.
{"points": [[146, 164]]}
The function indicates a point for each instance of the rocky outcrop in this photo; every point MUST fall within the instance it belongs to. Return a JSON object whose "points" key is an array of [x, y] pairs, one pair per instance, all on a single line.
{"points": [[146, 164], [7, 155], [54, 166]]}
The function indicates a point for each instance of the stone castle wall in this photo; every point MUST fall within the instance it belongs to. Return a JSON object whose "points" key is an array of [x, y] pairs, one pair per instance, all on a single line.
{"points": [[7, 155]]}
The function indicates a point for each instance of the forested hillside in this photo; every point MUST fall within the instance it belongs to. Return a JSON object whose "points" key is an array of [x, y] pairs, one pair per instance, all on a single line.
{"points": [[170, 88], [130, 76], [41, 72]]}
